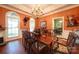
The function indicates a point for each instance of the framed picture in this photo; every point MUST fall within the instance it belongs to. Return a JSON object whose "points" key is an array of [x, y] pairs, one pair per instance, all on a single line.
{"points": [[43, 24], [71, 21]]}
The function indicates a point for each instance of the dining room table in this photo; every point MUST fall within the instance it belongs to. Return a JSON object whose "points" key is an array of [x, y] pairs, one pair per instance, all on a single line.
{"points": [[45, 39]]}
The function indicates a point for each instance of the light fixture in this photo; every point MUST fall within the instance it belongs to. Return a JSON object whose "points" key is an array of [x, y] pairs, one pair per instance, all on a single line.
{"points": [[25, 20], [37, 12]]}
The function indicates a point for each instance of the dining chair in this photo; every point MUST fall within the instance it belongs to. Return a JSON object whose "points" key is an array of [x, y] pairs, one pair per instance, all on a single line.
{"points": [[66, 45], [27, 41], [24, 39], [38, 48], [53, 45]]}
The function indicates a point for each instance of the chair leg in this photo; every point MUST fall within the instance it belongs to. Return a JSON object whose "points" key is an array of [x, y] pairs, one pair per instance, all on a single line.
{"points": [[55, 50], [69, 50], [38, 47]]}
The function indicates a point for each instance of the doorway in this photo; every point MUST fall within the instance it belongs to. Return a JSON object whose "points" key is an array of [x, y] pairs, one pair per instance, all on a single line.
{"points": [[58, 25]]}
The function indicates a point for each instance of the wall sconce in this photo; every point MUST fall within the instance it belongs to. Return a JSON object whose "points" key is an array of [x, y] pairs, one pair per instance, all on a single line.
{"points": [[25, 20]]}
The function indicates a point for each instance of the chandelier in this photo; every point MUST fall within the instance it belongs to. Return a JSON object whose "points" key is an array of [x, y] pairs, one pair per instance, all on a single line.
{"points": [[37, 12]]}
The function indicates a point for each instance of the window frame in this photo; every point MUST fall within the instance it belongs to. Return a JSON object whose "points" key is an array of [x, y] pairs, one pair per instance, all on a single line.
{"points": [[10, 16]]}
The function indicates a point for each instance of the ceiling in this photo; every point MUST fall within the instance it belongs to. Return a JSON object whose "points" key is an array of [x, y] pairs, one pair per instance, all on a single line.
{"points": [[46, 8]]}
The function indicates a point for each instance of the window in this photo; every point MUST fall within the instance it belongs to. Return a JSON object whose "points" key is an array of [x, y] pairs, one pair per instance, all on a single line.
{"points": [[32, 25], [12, 24]]}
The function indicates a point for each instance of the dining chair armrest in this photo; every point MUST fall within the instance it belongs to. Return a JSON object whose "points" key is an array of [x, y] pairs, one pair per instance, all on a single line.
{"points": [[60, 38], [61, 41]]}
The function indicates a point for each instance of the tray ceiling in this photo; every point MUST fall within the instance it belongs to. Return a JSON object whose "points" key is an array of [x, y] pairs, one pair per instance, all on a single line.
{"points": [[46, 8]]}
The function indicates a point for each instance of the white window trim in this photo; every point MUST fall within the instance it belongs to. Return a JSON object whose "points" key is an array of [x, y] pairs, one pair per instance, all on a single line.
{"points": [[6, 24]]}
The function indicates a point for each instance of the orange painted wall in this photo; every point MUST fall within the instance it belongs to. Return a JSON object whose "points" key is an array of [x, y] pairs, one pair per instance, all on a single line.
{"points": [[37, 23], [70, 12], [3, 12]]}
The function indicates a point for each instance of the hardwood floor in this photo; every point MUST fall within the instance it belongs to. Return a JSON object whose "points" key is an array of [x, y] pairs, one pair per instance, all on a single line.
{"points": [[13, 47]]}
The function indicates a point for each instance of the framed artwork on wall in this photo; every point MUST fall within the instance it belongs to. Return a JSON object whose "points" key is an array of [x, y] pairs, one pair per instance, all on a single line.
{"points": [[43, 24], [71, 21]]}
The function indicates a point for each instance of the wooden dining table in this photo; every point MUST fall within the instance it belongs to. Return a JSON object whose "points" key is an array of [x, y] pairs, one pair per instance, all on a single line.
{"points": [[46, 39]]}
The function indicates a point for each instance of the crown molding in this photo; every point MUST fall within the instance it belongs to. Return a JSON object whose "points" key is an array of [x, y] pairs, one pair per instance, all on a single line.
{"points": [[60, 10], [14, 9], [69, 6]]}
